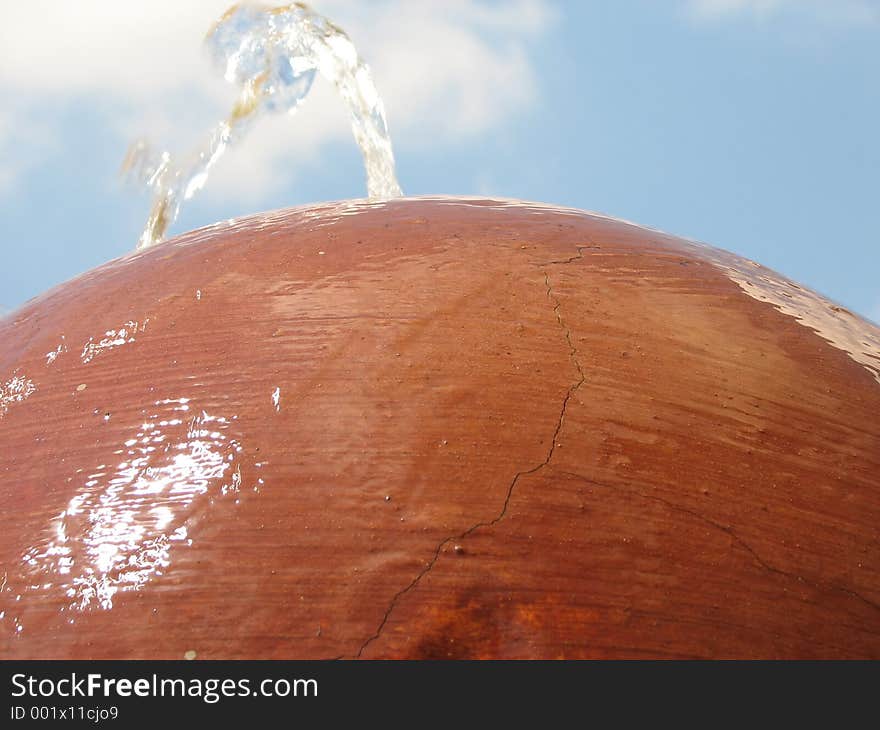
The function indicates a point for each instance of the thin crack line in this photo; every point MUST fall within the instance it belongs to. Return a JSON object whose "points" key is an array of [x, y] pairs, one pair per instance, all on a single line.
{"points": [[570, 259], [572, 389], [731, 533]]}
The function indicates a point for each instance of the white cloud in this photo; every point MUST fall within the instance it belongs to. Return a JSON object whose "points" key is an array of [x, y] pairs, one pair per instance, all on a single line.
{"points": [[826, 13], [21, 145], [444, 69]]}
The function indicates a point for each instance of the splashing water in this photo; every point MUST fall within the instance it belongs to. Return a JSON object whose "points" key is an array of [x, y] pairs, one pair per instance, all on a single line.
{"points": [[273, 55]]}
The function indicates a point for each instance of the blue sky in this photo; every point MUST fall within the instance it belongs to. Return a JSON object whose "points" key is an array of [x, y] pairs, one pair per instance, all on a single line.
{"points": [[749, 124]]}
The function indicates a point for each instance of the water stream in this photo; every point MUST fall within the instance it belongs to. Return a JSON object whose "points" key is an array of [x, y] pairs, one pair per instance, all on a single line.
{"points": [[272, 54]]}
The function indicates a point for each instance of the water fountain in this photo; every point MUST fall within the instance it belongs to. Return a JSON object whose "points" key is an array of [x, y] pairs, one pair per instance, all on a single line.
{"points": [[429, 427]]}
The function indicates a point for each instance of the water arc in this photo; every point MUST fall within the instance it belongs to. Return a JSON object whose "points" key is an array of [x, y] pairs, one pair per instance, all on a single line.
{"points": [[273, 55]]}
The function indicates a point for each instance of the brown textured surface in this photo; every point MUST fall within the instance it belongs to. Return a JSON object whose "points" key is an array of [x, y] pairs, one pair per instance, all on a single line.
{"points": [[502, 431]]}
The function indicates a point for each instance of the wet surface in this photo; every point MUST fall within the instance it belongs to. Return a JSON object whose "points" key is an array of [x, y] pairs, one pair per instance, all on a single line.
{"points": [[433, 428]]}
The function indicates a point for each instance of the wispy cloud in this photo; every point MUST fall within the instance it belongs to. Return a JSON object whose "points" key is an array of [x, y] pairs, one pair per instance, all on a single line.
{"points": [[21, 145], [827, 13], [445, 70]]}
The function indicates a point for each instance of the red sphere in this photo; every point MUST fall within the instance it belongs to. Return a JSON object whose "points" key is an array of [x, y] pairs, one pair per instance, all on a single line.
{"points": [[437, 428]]}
